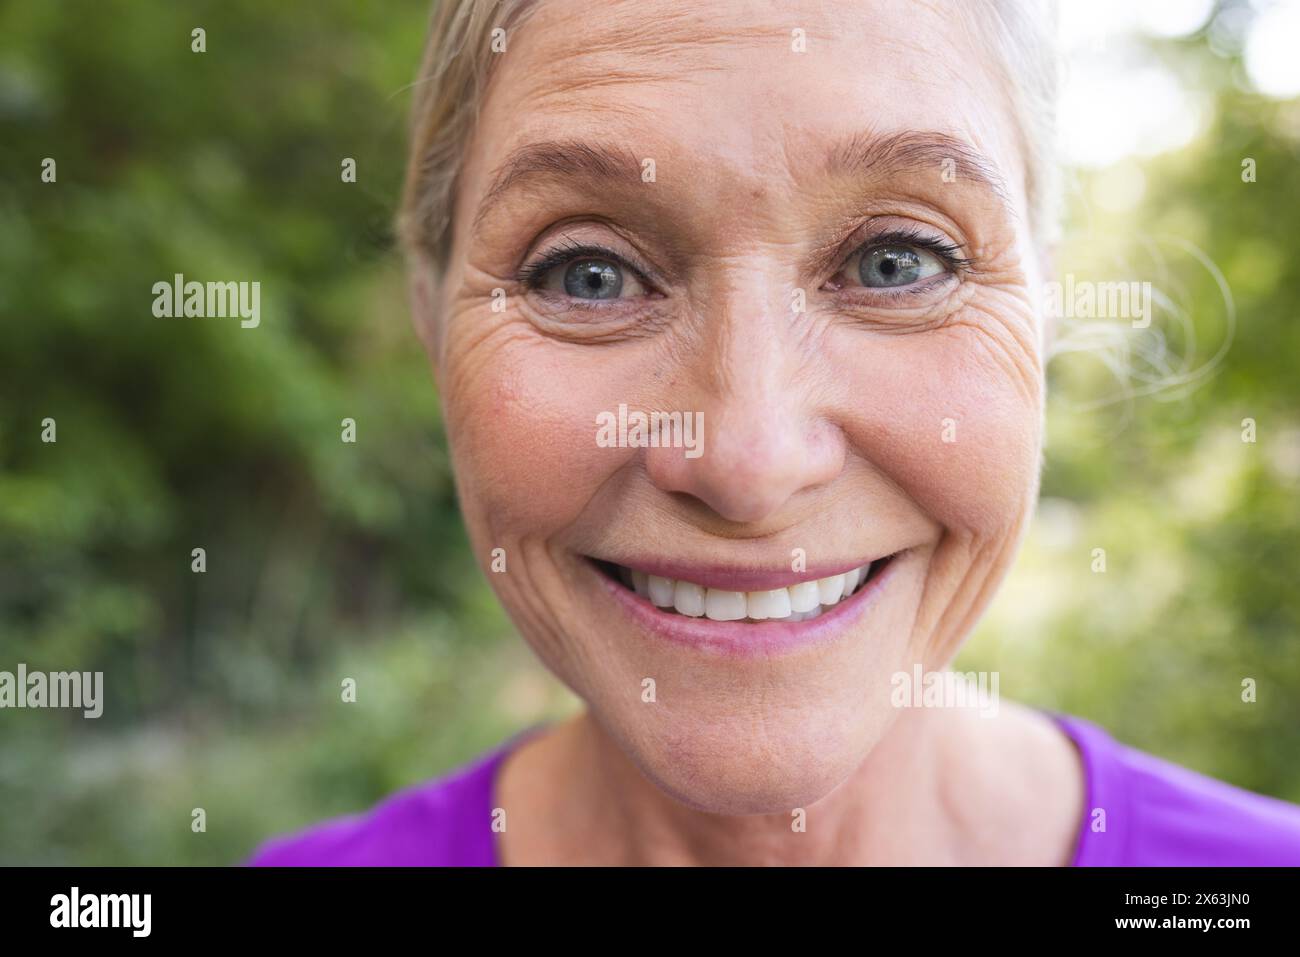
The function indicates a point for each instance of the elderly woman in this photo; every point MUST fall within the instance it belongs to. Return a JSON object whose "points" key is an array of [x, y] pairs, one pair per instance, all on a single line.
{"points": [[733, 310]]}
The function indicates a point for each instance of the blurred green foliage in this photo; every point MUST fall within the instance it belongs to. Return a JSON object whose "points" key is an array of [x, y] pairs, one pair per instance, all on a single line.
{"points": [[327, 560]]}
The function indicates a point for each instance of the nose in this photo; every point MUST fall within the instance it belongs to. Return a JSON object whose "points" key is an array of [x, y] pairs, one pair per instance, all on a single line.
{"points": [[764, 439]]}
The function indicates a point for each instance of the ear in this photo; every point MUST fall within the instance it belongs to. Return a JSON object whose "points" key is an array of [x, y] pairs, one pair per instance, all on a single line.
{"points": [[422, 292]]}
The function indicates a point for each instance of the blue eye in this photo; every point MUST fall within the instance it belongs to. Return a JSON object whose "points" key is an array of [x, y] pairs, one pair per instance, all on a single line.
{"points": [[593, 279], [589, 274], [893, 266]]}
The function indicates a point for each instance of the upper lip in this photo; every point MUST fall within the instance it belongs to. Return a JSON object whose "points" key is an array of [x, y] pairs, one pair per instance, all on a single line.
{"points": [[737, 577]]}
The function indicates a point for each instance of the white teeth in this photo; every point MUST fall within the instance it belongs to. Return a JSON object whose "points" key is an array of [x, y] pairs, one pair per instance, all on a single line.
{"points": [[850, 582], [661, 591], [722, 605], [830, 589], [769, 604], [688, 599], [798, 602], [804, 597]]}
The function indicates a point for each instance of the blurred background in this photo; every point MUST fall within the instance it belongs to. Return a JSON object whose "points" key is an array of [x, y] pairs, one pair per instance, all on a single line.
{"points": [[328, 561]]}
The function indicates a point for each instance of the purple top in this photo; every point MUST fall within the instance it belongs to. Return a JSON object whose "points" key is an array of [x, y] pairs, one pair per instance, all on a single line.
{"points": [[1138, 811]]}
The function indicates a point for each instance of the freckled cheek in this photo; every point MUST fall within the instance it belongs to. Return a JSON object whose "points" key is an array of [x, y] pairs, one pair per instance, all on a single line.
{"points": [[950, 427], [522, 425]]}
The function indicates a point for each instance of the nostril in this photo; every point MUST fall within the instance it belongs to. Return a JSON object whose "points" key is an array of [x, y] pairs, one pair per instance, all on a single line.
{"points": [[757, 458]]}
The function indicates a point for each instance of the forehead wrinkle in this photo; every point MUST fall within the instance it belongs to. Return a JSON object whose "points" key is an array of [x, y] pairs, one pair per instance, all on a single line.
{"points": [[558, 89], [655, 37], [637, 48]]}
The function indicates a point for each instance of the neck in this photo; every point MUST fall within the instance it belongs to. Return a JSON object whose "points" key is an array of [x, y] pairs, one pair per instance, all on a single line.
{"points": [[932, 791]]}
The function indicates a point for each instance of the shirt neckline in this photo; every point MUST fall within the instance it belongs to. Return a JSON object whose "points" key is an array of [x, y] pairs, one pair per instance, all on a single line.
{"points": [[493, 780], [1101, 794]]}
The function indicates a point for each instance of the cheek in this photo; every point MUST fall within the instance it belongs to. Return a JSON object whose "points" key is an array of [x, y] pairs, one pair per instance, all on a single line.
{"points": [[521, 421], [948, 419]]}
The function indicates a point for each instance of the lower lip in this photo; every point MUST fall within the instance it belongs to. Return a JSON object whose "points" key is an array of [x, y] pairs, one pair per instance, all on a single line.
{"points": [[752, 640]]}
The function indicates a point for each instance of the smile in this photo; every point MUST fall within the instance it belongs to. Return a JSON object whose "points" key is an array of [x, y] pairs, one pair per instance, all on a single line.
{"points": [[758, 614], [802, 601]]}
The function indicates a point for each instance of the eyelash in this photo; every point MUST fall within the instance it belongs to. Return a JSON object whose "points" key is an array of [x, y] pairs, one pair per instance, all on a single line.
{"points": [[533, 274], [567, 251], [950, 253]]}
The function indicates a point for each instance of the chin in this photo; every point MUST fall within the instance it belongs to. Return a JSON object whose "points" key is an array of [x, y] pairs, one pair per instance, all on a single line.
{"points": [[742, 766]]}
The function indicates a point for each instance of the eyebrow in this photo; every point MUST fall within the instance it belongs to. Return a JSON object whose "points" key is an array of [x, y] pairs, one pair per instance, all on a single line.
{"points": [[559, 158], [917, 152], [862, 154]]}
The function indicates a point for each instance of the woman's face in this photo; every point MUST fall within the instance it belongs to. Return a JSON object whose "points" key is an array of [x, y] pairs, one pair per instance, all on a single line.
{"points": [[806, 224]]}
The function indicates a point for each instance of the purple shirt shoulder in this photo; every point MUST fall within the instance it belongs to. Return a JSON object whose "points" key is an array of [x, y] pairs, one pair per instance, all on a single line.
{"points": [[1158, 814], [1138, 811], [441, 823]]}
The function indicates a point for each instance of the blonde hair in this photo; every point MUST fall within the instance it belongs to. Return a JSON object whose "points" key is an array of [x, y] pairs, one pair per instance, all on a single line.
{"points": [[454, 72], [458, 60]]}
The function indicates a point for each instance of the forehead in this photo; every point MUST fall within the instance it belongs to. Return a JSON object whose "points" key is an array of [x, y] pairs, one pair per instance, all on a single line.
{"points": [[744, 91]]}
